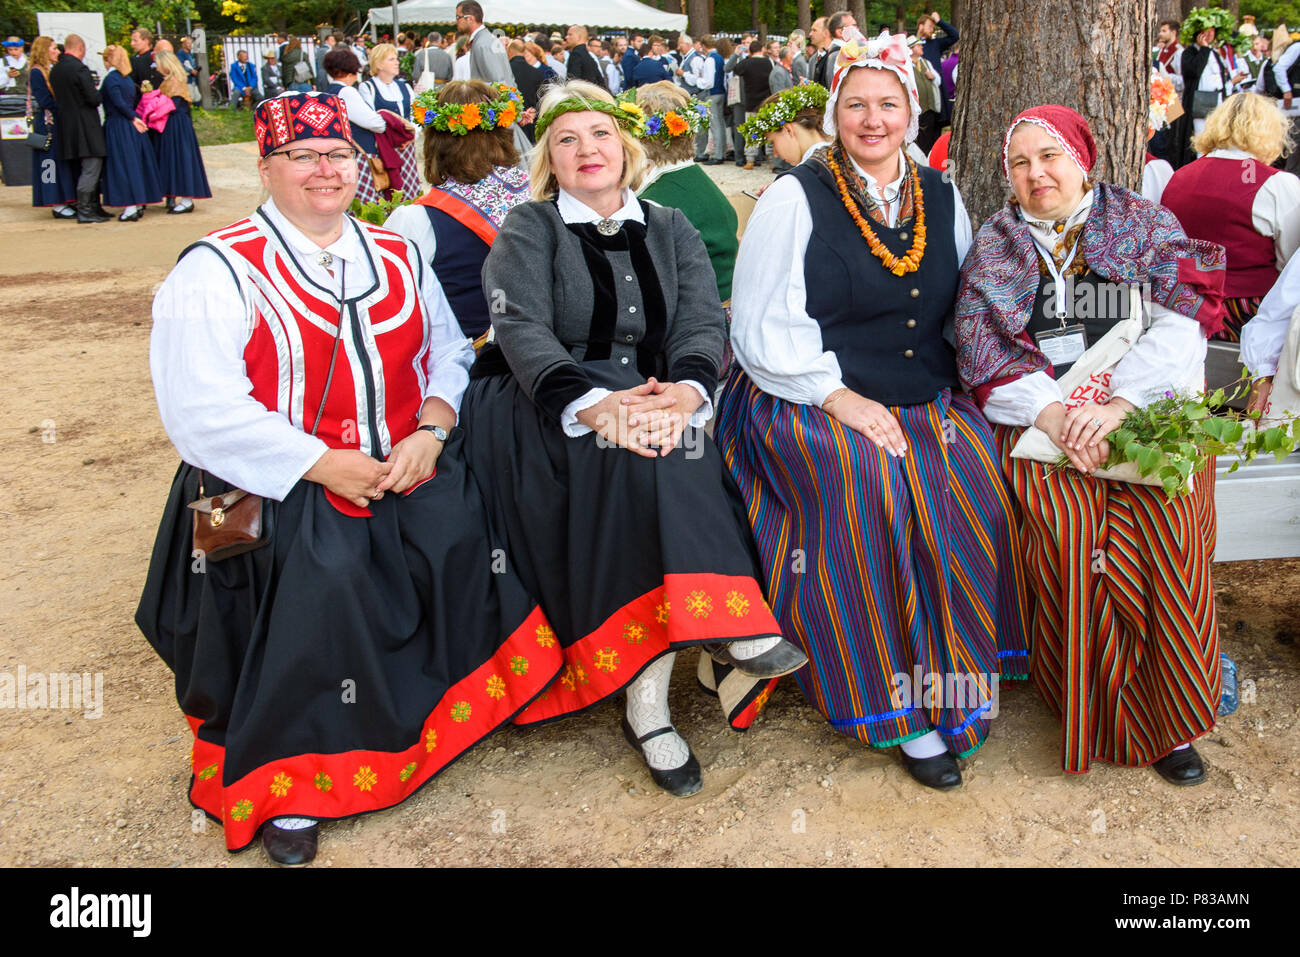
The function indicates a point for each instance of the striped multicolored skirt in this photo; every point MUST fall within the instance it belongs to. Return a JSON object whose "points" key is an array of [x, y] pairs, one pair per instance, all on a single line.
{"points": [[1125, 643], [899, 577], [1236, 313]]}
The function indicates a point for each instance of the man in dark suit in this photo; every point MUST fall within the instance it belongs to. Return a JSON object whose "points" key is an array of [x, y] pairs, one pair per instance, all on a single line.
{"points": [[142, 65], [581, 65], [81, 135]]}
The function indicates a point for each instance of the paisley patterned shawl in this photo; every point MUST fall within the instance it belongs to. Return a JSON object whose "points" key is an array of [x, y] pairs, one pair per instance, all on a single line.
{"points": [[1126, 239]]}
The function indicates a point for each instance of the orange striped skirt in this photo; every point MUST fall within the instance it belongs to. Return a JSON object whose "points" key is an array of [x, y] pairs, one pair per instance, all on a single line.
{"points": [[1123, 640]]}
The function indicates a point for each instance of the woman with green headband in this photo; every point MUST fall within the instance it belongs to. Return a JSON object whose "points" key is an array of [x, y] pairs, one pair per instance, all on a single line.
{"points": [[585, 419]]}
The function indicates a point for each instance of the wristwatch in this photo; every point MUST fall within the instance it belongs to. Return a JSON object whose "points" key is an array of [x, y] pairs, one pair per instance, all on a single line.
{"points": [[438, 431]]}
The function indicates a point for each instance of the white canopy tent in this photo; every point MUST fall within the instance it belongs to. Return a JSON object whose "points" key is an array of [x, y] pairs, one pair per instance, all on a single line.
{"points": [[606, 13]]}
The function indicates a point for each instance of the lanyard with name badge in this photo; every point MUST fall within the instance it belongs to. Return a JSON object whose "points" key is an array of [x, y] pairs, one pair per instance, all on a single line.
{"points": [[1064, 344]]}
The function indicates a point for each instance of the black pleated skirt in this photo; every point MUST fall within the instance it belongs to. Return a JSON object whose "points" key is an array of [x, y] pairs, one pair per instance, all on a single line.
{"points": [[337, 669], [630, 557]]}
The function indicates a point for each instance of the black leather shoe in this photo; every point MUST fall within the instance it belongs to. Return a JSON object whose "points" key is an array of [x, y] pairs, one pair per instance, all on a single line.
{"points": [[290, 848], [138, 214], [679, 782], [86, 210], [939, 772], [1183, 768], [178, 209], [774, 663]]}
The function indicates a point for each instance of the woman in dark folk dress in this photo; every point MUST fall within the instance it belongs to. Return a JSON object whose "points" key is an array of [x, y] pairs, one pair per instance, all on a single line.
{"points": [[584, 424]]}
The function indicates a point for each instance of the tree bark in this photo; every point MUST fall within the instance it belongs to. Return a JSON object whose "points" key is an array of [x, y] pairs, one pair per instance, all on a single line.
{"points": [[805, 16], [1090, 55], [700, 23], [859, 10], [834, 6], [1168, 10]]}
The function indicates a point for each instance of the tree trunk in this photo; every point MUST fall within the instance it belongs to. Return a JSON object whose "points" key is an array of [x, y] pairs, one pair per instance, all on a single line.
{"points": [[834, 6], [859, 10], [1232, 6], [1168, 10], [958, 14], [701, 23], [1090, 55], [805, 16], [778, 15]]}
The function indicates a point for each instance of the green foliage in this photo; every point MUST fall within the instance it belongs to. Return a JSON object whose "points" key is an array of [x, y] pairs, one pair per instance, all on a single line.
{"points": [[215, 127], [1269, 13], [733, 16], [378, 213], [1177, 436]]}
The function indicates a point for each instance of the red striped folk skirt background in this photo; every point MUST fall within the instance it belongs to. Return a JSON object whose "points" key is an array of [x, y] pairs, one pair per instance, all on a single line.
{"points": [[1124, 643], [1237, 312], [879, 566]]}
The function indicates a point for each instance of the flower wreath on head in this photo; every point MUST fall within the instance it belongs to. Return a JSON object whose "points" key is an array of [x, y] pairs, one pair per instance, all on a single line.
{"points": [[669, 124], [1205, 18], [460, 118], [624, 111], [788, 104]]}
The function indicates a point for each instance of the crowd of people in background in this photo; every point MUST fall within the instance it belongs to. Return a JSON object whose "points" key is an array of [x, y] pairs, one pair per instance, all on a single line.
{"points": [[143, 152]]}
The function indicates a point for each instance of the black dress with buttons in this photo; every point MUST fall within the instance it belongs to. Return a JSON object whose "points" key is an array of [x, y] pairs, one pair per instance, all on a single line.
{"points": [[630, 557]]}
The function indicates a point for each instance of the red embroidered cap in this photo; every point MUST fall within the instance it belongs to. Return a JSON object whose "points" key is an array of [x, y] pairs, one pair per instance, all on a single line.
{"points": [[1065, 125], [300, 116]]}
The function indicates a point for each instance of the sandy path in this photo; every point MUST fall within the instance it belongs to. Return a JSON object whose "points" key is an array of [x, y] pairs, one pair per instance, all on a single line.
{"points": [[79, 514]]}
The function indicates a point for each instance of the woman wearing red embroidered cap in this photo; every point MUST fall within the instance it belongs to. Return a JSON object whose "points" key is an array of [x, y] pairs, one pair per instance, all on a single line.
{"points": [[356, 640], [1124, 641], [872, 484]]}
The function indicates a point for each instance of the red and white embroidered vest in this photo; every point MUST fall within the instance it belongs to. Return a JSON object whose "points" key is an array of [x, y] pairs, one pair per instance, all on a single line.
{"points": [[379, 375]]}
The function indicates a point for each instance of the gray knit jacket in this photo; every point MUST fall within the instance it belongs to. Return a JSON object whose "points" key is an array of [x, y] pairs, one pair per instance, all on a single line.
{"points": [[543, 290]]}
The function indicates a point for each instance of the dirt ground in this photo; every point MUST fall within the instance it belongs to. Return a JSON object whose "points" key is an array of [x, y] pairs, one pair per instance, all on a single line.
{"points": [[84, 470]]}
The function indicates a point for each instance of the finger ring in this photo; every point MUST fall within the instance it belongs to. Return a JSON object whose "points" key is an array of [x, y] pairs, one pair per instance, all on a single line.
{"points": [[1095, 423]]}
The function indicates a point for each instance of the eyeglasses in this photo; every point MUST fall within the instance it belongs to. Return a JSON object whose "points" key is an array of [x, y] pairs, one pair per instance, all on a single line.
{"points": [[340, 159]]}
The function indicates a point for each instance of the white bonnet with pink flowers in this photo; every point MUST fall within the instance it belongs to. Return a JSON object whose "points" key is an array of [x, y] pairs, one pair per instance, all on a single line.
{"points": [[885, 52]]}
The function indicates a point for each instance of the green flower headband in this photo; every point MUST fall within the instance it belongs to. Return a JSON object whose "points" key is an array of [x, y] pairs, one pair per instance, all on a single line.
{"points": [[461, 118], [670, 124], [624, 110], [788, 104]]}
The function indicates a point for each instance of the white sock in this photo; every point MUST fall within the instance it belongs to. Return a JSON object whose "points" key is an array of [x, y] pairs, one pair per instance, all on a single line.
{"points": [[61, 207], [130, 210], [752, 647], [183, 204], [293, 823], [1183, 747], [927, 746], [647, 710]]}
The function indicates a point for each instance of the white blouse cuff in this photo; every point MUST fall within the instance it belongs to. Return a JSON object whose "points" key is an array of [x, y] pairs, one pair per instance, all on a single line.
{"points": [[569, 417]]}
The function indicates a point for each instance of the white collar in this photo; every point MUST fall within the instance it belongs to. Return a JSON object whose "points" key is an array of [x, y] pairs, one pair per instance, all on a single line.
{"points": [[481, 26], [889, 192], [812, 149], [575, 211], [654, 172], [1044, 230], [346, 247], [21, 59], [1228, 154]]}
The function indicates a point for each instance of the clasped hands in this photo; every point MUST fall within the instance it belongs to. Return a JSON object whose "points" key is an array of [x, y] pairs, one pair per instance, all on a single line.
{"points": [[1081, 432], [648, 419], [355, 476]]}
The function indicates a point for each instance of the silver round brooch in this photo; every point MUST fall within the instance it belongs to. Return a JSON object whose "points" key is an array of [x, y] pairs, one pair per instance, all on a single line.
{"points": [[608, 227]]}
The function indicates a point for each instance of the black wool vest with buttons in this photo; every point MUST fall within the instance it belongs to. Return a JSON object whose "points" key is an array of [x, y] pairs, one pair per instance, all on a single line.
{"points": [[885, 330]]}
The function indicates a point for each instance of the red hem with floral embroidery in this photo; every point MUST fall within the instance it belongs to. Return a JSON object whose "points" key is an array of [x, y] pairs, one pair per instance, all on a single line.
{"points": [[330, 786], [687, 609]]}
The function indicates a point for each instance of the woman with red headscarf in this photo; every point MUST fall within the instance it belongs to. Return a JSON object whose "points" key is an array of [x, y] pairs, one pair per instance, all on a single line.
{"points": [[1124, 644]]}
